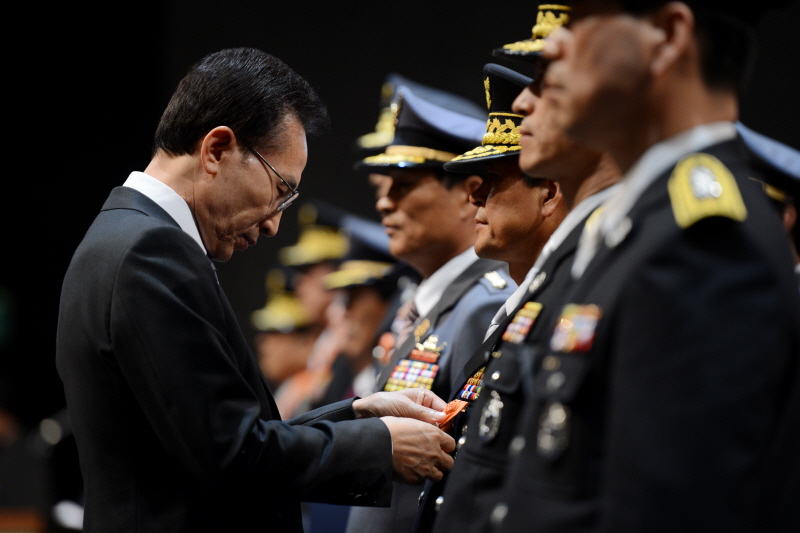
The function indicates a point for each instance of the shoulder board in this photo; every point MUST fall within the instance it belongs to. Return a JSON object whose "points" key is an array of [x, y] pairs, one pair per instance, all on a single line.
{"points": [[701, 186], [496, 280]]}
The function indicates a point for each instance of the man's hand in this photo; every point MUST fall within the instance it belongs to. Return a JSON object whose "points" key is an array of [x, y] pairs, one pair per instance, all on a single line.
{"points": [[419, 450], [421, 404]]}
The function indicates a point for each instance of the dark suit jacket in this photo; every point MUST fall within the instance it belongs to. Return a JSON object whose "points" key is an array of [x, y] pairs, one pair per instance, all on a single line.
{"points": [[684, 415], [175, 425], [476, 479]]}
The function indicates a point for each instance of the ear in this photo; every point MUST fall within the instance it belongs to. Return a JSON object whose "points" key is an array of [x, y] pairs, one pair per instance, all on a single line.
{"points": [[674, 26], [552, 199], [467, 187], [471, 184], [217, 144]]}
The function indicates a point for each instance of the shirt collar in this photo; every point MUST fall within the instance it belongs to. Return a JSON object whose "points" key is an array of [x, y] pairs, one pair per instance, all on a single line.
{"points": [[168, 200], [431, 289], [655, 161]]}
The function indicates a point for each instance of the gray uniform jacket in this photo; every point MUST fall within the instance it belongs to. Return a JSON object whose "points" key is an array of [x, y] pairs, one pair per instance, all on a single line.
{"points": [[460, 320]]}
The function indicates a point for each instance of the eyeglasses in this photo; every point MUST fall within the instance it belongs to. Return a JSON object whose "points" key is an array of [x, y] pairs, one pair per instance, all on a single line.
{"points": [[286, 202]]}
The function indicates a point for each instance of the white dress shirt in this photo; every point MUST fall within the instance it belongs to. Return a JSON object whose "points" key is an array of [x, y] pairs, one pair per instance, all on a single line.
{"points": [[168, 200], [431, 289]]}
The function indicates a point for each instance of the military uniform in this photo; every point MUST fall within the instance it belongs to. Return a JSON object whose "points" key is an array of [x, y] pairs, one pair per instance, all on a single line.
{"points": [[485, 432], [431, 128], [665, 396]]}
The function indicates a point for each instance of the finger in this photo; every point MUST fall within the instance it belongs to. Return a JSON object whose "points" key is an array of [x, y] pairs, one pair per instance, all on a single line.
{"points": [[446, 462], [425, 414], [428, 398], [447, 443]]}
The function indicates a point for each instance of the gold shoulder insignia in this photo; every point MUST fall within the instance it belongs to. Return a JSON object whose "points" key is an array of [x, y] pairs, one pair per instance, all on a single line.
{"points": [[701, 186], [495, 279]]}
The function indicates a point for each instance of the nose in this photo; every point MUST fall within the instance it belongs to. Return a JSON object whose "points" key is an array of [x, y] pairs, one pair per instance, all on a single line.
{"points": [[525, 102], [384, 204], [270, 225]]}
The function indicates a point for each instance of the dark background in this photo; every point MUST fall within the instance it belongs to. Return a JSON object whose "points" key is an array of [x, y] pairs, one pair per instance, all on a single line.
{"points": [[87, 84]]}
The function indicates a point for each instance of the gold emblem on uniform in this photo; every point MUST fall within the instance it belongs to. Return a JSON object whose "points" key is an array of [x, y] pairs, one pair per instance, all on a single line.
{"points": [[428, 351], [575, 328], [419, 369], [701, 186]]}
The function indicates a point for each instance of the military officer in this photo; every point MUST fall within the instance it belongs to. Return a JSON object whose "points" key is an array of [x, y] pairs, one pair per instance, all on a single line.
{"points": [[431, 226], [499, 367], [665, 394]]}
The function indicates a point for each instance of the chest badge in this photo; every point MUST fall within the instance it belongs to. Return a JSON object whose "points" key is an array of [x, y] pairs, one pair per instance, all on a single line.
{"points": [[489, 424], [420, 368], [553, 436], [575, 328], [522, 322]]}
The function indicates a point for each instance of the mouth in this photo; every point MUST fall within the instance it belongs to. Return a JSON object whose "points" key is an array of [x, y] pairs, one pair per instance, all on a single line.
{"points": [[247, 241], [390, 228]]}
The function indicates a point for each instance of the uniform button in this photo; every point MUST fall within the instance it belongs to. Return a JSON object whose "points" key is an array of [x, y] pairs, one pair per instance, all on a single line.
{"points": [[498, 514], [461, 442], [555, 381], [497, 353], [517, 445], [421, 495], [438, 503], [496, 375], [551, 362]]}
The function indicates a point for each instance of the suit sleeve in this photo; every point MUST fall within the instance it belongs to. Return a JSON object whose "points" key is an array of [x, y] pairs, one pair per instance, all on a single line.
{"points": [[170, 335]]}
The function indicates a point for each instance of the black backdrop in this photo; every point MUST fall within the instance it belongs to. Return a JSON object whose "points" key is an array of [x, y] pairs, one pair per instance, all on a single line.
{"points": [[87, 83]]}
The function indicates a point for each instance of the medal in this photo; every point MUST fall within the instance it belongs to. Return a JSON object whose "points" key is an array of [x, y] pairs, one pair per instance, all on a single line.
{"points": [[575, 328], [522, 322]]}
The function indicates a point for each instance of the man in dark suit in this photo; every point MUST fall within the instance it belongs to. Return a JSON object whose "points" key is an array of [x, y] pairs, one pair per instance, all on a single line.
{"points": [[430, 221], [175, 426], [665, 394]]}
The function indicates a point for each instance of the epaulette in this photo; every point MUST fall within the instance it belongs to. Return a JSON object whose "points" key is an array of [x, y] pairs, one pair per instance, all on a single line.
{"points": [[701, 186], [495, 279]]}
